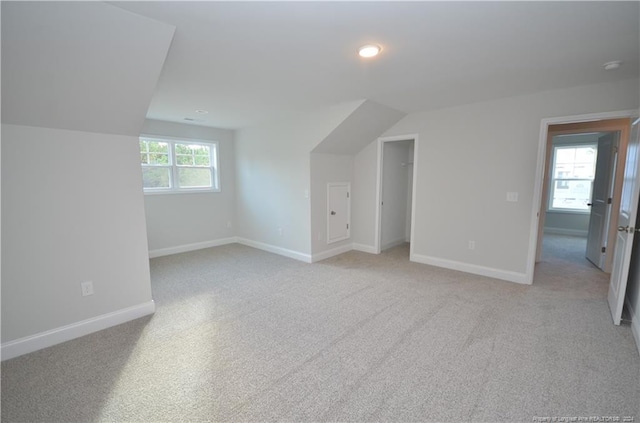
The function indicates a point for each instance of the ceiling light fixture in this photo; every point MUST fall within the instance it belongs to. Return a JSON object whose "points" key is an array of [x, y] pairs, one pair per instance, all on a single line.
{"points": [[202, 112], [612, 65], [370, 50]]}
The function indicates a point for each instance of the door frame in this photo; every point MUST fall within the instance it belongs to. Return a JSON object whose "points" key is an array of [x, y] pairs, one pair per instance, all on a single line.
{"points": [[378, 228], [540, 192]]}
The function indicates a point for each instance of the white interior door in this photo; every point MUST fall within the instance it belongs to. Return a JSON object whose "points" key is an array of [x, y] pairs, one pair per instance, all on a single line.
{"points": [[338, 212], [601, 200], [626, 229]]}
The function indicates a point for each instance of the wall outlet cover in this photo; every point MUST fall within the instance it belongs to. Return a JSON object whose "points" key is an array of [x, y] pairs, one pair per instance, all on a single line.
{"points": [[87, 288]]}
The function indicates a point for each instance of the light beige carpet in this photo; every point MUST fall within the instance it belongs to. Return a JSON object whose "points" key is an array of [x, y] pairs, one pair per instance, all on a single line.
{"points": [[244, 335]]}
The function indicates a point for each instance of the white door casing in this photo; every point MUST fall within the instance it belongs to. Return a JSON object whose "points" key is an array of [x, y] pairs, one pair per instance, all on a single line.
{"points": [[626, 222], [536, 226], [601, 200], [338, 211]]}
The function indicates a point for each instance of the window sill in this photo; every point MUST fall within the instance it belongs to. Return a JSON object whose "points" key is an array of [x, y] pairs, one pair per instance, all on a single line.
{"points": [[183, 191]]}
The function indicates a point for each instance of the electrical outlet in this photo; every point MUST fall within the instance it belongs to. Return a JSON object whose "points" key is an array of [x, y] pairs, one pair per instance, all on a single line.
{"points": [[512, 197], [472, 245], [87, 288], [280, 231]]}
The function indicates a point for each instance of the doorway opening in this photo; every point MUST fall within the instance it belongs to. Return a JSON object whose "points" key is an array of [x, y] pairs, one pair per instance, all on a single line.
{"points": [[583, 174], [395, 192], [581, 184]]}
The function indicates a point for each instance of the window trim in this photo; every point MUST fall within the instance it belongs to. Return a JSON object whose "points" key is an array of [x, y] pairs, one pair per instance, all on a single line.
{"points": [[553, 180], [214, 154]]}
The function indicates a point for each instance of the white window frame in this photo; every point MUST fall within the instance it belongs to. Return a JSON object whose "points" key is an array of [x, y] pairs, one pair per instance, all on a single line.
{"points": [[553, 180], [214, 160]]}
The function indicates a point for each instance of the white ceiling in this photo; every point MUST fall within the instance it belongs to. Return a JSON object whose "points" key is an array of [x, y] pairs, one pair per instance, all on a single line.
{"points": [[253, 62]]}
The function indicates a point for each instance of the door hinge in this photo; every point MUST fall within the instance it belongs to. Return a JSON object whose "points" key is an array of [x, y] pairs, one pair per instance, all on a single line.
{"points": [[604, 249], [609, 200], [347, 195], [347, 226], [615, 150]]}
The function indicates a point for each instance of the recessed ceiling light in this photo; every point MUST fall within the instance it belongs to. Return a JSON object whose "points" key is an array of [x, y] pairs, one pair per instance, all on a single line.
{"points": [[612, 65], [370, 50], [202, 112]]}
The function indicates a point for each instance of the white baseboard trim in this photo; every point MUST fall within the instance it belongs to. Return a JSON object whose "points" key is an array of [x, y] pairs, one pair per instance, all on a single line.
{"points": [[563, 231], [276, 250], [191, 247], [365, 248], [62, 334], [393, 244], [635, 323], [330, 253], [472, 268]]}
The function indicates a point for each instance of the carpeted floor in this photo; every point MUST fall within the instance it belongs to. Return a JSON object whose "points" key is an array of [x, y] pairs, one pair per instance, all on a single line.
{"points": [[244, 335]]}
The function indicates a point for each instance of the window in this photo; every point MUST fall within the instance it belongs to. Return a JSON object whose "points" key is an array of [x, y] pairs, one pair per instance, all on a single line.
{"points": [[170, 166], [572, 174]]}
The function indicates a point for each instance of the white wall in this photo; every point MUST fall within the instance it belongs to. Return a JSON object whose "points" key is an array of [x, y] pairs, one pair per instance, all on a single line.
{"points": [[326, 168], [565, 223], [179, 220], [363, 197], [273, 179], [72, 211], [395, 193], [469, 157]]}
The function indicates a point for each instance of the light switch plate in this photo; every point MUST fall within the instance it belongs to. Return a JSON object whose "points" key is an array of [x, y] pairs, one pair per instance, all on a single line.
{"points": [[512, 197]]}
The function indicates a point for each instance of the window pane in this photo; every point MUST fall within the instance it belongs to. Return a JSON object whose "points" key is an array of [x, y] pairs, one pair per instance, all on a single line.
{"points": [[565, 155], [575, 162], [201, 160], [158, 159], [156, 177], [158, 147], [573, 173], [192, 154], [586, 155], [183, 160], [182, 149], [568, 194], [190, 177], [154, 152]]}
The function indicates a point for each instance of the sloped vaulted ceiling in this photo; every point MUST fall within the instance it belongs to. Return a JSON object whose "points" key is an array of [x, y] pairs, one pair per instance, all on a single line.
{"points": [[362, 126], [85, 66]]}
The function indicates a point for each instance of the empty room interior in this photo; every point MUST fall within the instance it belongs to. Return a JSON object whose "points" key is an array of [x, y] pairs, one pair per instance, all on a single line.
{"points": [[320, 211]]}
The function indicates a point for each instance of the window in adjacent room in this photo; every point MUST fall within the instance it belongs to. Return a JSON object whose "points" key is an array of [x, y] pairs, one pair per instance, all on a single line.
{"points": [[572, 174], [170, 166]]}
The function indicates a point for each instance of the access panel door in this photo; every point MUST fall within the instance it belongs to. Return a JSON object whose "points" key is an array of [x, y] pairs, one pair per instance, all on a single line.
{"points": [[338, 211]]}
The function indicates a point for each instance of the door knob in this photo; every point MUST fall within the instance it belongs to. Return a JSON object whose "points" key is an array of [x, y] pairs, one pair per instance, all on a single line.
{"points": [[589, 204], [623, 229], [333, 213]]}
